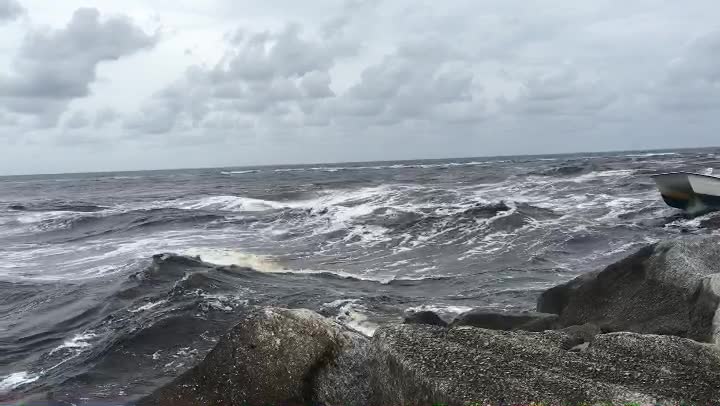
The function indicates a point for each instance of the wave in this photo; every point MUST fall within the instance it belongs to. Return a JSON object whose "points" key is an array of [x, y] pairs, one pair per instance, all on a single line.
{"points": [[16, 379], [385, 167], [135, 326], [652, 154], [229, 257], [79, 341], [351, 313], [57, 207], [240, 172], [442, 309], [604, 174], [76, 225], [565, 170], [224, 203]]}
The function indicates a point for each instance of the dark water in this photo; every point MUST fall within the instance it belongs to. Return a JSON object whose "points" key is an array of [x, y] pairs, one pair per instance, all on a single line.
{"points": [[89, 312]]}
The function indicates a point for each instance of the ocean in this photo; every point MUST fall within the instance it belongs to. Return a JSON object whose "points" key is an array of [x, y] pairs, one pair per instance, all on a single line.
{"points": [[99, 303]]}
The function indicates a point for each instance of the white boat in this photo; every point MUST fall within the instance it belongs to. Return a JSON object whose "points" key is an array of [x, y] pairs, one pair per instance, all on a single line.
{"points": [[692, 192]]}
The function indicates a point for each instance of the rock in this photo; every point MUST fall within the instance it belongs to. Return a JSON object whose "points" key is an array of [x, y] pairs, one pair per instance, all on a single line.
{"points": [[425, 365], [669, 288], [345, 381], [424, 317], [575, 336], [275, 356], [496, 320]]}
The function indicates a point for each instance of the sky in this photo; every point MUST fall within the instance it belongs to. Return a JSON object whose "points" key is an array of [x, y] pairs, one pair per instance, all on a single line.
{"points": [[101, 85]]}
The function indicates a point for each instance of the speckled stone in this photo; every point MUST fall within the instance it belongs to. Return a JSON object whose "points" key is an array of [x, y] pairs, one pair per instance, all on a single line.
{"points": [[275, 357], [506, 320], [424, 365]]}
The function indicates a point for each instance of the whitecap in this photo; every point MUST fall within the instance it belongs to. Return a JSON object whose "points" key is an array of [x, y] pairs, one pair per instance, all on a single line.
{"points": [[148, 306], [352, 314], [240, 172], [78, 342], [228, 257], [15, 380], [441, 309]]}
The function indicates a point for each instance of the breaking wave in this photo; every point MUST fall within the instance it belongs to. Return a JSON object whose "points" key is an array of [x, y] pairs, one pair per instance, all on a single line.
{"points": [[86, 307]]}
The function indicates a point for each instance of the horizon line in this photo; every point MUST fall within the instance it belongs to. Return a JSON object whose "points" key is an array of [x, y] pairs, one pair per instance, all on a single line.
{"points": [[358, 162]]}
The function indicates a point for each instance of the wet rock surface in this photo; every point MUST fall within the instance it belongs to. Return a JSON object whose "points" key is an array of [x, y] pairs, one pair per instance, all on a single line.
{"points": [[670, 288], [424, 317]]}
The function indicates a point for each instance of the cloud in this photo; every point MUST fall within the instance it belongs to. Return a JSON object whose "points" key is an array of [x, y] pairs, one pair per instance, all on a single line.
{"points": [[363, 80], [262, 76], [76, 120], [282, 81], [10, 10], [316, 85], [691, 82], [563, 93], [55, 66], [104, 117]]}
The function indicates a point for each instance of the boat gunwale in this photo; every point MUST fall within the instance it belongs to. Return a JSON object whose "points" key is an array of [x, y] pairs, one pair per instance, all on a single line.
{"points": [[686, 173]]}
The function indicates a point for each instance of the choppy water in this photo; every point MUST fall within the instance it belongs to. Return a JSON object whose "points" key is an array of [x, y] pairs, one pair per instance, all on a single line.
{"points": [[83, 302]]}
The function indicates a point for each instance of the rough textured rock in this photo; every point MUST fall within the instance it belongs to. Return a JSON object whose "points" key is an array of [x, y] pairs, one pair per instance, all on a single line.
{"points": [[424, 317], [425, 365], [496, 320], [670, 288], [574, 336], [344, 382], [275, 356]]}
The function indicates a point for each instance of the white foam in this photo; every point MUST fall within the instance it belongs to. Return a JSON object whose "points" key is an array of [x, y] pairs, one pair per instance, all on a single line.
{"points": [[228, 257], [240, 172], [15, 380], [226, 303], [649, 154], [350, 313], [603, 174], [227, 203], [384, 167], [58, 218], [621, 205], [148, 306], [440, 308], [78, 342], [264, 263]]}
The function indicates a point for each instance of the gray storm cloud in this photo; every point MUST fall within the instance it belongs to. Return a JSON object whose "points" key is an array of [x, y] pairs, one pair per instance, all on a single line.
{"points": [[363, 80], [54, 67], [10, 10]]}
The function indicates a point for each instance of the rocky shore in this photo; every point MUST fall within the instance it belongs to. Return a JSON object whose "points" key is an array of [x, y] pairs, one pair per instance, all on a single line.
{"points": [[645, 330]]}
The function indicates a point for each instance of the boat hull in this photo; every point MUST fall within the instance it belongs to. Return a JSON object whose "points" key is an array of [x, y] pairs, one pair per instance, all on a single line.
{"points": [[689, 191]]}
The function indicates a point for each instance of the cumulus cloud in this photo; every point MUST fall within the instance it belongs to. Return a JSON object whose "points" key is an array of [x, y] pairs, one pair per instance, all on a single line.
{"points": [[55, 66], [282, 80], [10, 10], [420, 77], [261, 75]]}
